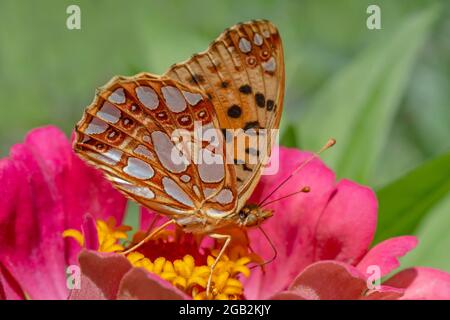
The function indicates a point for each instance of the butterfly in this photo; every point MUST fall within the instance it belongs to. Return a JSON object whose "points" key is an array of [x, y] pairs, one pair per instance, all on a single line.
{"points": [[236, 85]]}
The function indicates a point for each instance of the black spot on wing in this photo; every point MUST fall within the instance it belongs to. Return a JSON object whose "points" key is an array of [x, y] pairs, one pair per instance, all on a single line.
{"points": [[260, 100], [234, 111], [270, 105], [245, 89]]}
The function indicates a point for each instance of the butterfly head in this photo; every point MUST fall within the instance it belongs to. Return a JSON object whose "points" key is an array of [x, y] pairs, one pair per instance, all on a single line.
{"points": [[253, 215]]}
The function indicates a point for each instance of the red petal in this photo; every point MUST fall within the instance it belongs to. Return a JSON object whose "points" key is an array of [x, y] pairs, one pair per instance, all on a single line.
{"points": [[329, 280], [138, 284], [384, 293], [287, 295], [101, 275]]}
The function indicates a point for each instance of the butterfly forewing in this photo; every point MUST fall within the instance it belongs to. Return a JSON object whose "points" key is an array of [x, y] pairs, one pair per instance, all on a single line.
{"points": [[133, 131], [242, 72]]}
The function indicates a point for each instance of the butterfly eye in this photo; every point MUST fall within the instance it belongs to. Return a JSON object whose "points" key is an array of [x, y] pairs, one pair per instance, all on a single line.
{"points": [[242, 215]]}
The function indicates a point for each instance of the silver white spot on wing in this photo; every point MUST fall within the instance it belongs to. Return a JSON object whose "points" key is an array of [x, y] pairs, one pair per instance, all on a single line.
{"points": [[196, 190], [96, 126], [185, 178], [174, 99], [167, 153], [109, 113], [143, 192], [269, 65], [118, 96], [148, 97], [111, 157], [174, 210], [192, 98], [138, 169], [257, 39], [174, 190], [208, 192], [119, 180], [225, 196], [244, 45], [144, 151], [211, 169], [266, 33], [146, 138]]}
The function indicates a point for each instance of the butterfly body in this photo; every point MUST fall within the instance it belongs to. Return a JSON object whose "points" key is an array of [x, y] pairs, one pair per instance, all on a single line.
{"points": [[163, 140]]}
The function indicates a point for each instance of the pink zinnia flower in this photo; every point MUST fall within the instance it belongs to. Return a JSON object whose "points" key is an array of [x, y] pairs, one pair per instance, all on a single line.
{"points": [[46, 189], [322, 238]]}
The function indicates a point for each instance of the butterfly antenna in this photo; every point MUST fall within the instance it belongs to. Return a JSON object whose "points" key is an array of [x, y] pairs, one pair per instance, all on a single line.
{"points": [[275, 252], [329, 144], [302, 190]]}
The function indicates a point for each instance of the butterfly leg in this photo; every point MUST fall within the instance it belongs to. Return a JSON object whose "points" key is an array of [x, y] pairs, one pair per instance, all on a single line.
{"points": [[219, 256], [149, 236]]}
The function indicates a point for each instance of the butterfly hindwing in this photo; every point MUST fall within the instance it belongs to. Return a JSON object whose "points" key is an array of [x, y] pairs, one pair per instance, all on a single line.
{"points": [[128, 132]]}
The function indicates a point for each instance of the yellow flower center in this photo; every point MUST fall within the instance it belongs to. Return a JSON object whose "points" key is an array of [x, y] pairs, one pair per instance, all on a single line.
{"points": [[109, 235], [186, 274]]}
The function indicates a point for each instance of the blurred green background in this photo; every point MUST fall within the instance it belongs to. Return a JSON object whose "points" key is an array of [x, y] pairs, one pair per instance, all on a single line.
{"points": [[384, 94]]}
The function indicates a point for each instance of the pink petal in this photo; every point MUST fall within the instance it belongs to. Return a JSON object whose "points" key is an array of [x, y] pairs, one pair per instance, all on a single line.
{"points": [[9, 288], [147, 218], [347, 226], [329, 280], [138, 284], [330, 222], [90, 233], [86, 191], [46, 189], [422, 283], [333, 280], [385, 254], [31, 225], [293, 226], [101, 275]]}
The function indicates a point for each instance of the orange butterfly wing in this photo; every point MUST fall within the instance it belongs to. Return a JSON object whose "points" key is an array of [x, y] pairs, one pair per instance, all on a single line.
{"points": [[242, 72], [127, 132], [238, 83]]}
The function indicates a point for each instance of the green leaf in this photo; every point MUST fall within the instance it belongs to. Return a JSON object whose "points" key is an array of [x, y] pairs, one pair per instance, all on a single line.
{"points": [[132, 216], [357, 106], [434, 239], [289, 137], [405, 202]]}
